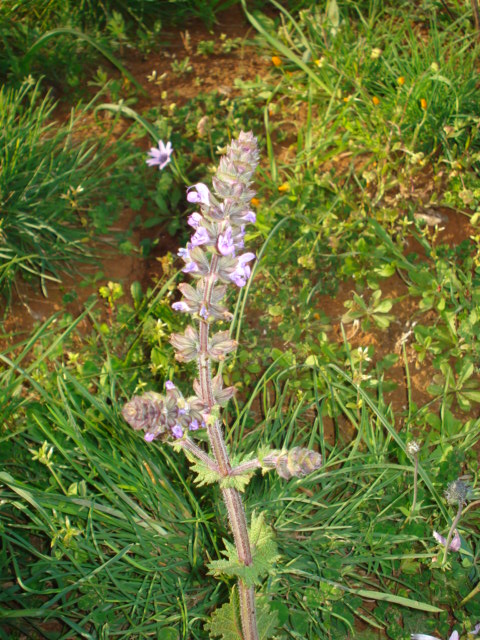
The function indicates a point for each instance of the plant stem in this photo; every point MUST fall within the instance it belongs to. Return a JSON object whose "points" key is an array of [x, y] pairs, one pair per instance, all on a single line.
{"points": [[415, 484], [233, 501], [452, 530], [189, 445]]}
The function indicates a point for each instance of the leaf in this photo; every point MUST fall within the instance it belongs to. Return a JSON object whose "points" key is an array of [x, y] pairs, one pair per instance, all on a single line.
{"points": [[205, 476], [226, 621], [264, 555]]}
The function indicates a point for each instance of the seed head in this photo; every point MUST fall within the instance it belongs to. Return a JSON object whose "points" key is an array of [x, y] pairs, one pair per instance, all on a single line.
{"points": [[457, 492]]}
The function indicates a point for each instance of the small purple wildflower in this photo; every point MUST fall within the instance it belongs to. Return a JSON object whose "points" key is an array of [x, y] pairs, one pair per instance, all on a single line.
{"points": [[177, 431], [203, 312], [160, 156], [423, 636], [183, 253], [190, 267], [193, 426], [200, 237], [242, 271], [225, 242], [199, 193], [181, 306], [194, 219], [169, 386], [454, 545], [148, 437], [250, 217]]}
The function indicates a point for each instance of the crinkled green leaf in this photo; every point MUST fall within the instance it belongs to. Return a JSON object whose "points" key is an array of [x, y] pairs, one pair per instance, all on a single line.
{"points": [[226, 621], [264, 555], [205, 475]]}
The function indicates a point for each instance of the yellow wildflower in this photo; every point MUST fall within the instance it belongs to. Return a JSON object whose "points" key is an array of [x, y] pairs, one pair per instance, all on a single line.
{"points": [[423, 103], [284, 187], [375, 100], [277, 61], [401, 80]]}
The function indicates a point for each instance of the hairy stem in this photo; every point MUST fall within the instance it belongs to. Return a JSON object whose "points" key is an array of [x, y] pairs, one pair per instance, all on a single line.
{"points": [[189, 445], [415, 484], [452, 531], [233, 502]]}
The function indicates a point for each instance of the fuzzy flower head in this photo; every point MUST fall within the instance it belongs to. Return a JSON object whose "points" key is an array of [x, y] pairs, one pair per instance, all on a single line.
{"points": [[457, 492], [413, 448], [160, 157]]}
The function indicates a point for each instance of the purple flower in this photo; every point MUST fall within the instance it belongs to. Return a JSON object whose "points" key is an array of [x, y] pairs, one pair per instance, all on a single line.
{"points": [[200, 237], [169, 386], [181, 306], [199, 194], [190, 267], [423, 636], [203, 312], [225, 242], [250, 217], [242, 270], [193, 426], [148, 437], [177, 431], [160, 156], [194, 219], [454, 545], [246, 257]]}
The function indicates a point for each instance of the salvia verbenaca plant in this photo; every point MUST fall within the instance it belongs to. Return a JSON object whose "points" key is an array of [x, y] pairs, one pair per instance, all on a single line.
{"points": [[215, 257]]}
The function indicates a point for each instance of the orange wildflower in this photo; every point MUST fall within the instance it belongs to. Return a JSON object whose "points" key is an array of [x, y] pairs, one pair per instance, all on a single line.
{"points": [[277, 61], [375, 100], [401, 80], [423, 103], [284, 187], [255, 202]]}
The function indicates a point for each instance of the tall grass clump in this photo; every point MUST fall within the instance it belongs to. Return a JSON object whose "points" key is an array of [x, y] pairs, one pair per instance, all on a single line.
{"points": [[51, 175]]}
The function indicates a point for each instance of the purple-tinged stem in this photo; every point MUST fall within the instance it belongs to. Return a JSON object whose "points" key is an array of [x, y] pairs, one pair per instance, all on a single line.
{"points": [[189, 445], [231, 497]]}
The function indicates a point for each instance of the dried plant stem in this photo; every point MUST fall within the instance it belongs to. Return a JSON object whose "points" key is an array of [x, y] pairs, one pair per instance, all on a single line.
{"points": [[233, 501], [452, 531]]}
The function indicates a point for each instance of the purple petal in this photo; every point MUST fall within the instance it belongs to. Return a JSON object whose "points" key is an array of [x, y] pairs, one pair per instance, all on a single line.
{"points": [[148, 437], [476, 630], [181, 306], [177, 431], [225, 242], [194, 219], [169, 385], [246, 258], [250, 216], [200, 193], [191, 267], [455, 544], [454, 636], [200, 237], [193, 426]]}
